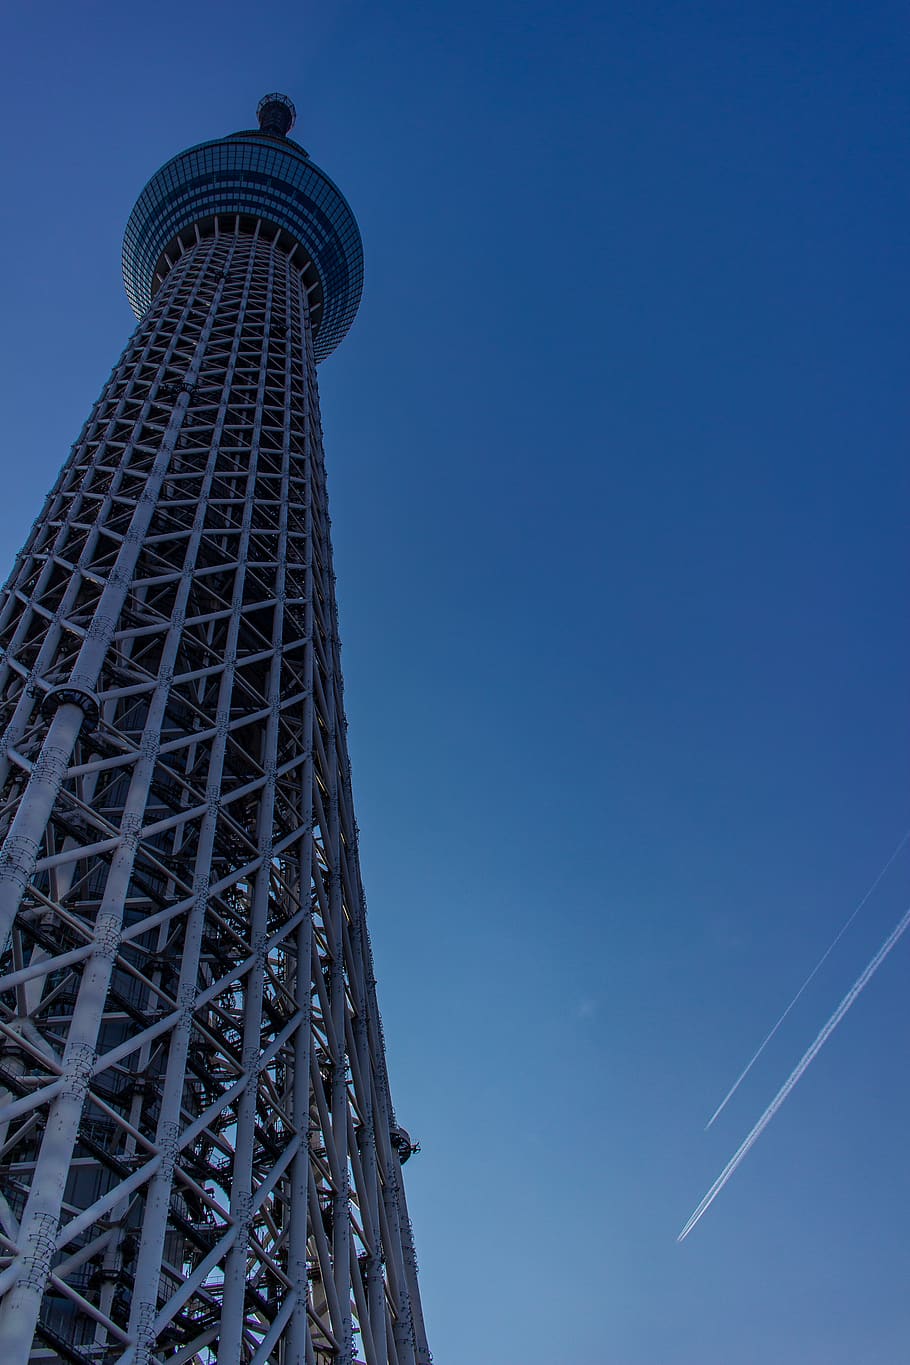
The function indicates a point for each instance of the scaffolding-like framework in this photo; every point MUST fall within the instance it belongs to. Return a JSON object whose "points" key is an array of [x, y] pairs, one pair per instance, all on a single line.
{"points": [[199, 1158]]}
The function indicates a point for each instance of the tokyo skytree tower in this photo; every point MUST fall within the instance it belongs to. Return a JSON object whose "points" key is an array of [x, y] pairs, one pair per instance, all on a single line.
{"points": [[199, 1158]]}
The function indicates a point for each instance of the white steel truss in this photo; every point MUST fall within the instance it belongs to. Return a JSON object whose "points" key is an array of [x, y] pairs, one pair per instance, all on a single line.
{"points": [[199, 1159]]}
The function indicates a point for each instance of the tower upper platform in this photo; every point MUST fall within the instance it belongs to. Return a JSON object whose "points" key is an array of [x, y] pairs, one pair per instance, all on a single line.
{"points": [[257, 175]]}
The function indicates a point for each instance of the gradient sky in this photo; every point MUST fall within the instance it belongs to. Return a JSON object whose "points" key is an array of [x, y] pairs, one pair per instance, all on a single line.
{"points": [[618, 463]]}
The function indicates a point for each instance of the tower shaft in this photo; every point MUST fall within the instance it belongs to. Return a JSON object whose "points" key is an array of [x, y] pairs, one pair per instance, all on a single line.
{"points": [[198, 1151]]}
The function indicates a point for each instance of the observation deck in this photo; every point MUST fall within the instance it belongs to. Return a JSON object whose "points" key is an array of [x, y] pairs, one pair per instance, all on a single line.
{"points": [[234, 181]]}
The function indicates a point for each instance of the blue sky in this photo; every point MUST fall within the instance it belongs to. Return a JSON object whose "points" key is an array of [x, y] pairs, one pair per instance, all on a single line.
{"points": [[617, 452]]}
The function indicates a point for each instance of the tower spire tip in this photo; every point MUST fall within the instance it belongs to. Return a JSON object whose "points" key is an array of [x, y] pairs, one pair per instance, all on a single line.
{"points": [[276, 114]]}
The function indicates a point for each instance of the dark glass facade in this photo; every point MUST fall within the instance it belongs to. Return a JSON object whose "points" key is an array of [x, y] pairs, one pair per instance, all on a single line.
{"points": [[260, 176]]}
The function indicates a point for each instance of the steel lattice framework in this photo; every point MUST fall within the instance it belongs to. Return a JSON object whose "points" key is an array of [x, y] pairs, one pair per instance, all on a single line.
{"points": [[198, 1151]]}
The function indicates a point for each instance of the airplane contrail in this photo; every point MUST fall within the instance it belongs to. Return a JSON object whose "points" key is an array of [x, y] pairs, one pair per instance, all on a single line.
{"points": [[798, 1071], [808, 981]]}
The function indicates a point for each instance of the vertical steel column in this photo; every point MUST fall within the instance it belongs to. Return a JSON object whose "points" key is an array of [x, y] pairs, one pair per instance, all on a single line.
{"points": [[40, 1221]]}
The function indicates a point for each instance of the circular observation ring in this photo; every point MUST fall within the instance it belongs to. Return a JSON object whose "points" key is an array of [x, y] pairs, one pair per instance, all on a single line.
{"points": [[255, 175]]}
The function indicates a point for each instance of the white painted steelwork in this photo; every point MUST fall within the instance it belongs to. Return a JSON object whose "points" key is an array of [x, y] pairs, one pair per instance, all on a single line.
{"points": [[198, 1152]]}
